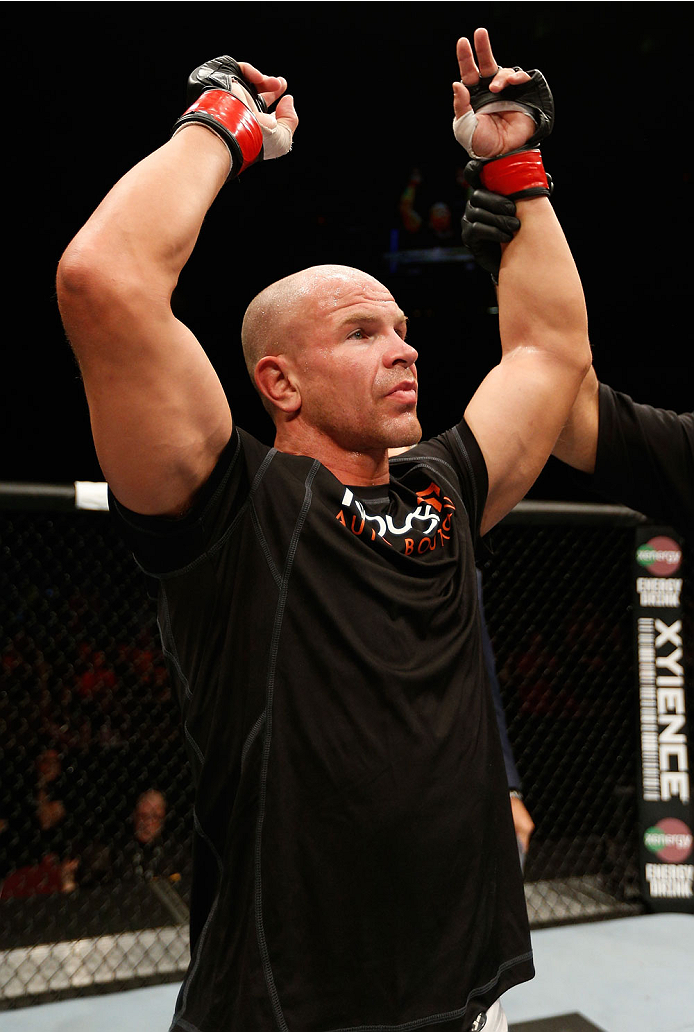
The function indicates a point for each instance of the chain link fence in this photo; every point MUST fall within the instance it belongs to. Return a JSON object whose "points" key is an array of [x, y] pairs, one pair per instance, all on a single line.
{"points": [[96, 800], [558, 603]]}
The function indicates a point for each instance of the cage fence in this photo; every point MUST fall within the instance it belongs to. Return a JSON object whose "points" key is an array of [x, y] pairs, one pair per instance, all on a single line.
{"points": [[96, 799]]}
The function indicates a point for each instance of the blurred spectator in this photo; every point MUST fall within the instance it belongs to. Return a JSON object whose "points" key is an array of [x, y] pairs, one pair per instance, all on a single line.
{"points": [[144, 851], [440, 225], [148, 816], [38, 837], [50, 810], [439, 228], [410, 219], [149, 853], [97, 677]]}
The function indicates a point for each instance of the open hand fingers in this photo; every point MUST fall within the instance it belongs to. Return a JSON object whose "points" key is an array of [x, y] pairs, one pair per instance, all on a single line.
{"points": [[485, 58], [271, 86], [280, 123], [461, 99], [272, 96], [483, 63], [469, 73], [507, 77]]}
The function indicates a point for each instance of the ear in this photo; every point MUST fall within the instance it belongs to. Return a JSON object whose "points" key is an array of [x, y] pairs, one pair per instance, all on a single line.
{"points": [[276, 381]]}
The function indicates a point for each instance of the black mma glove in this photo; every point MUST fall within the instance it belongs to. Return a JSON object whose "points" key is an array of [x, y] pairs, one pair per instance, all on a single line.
{"points": [[215, 91], [520, 173], [488, 222], [220, 74], [533, 97]]}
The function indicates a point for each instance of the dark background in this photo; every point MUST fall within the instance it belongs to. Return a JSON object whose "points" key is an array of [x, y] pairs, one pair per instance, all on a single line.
{"points": [[92, 88]]}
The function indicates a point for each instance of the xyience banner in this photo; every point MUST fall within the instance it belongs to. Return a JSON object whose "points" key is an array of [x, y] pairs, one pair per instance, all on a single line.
{"points": [[666, 848]]}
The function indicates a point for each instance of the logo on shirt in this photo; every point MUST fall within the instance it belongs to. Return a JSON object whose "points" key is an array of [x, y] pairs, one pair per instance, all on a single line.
{"points": [[423, 529]]}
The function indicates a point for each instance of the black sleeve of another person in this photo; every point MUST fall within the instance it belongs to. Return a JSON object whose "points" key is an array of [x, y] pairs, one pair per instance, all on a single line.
{"points": [[512, 776], [645, 460]]}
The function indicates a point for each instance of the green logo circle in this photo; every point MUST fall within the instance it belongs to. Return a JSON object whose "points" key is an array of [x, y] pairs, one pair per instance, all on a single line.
{"points": [[655, 840], [646, 555]]}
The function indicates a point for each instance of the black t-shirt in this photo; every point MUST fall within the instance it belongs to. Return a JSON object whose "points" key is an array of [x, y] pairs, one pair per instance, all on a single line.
{"points": [[355, 864], [645, 459]]}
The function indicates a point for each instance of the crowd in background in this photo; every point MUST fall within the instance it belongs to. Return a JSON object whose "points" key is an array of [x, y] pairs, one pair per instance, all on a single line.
{"points": [[91, 758]]}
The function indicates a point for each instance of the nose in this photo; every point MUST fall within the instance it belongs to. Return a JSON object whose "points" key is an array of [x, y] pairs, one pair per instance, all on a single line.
{"points": [[399, 352]]}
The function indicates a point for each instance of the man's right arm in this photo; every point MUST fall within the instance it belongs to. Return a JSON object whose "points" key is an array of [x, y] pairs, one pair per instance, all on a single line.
{"points": [[158, 412]]}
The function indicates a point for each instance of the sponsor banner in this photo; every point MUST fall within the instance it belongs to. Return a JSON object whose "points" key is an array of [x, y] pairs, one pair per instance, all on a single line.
{"points": [[666, 822]]}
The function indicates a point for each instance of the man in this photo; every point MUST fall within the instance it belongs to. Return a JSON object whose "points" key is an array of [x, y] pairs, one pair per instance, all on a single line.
{"points": [[355, 860], [148, 852], [144, 854]]}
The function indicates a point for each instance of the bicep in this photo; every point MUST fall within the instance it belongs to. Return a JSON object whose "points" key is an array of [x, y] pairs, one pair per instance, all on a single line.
{"points": [[158, 412], [516, 415]]}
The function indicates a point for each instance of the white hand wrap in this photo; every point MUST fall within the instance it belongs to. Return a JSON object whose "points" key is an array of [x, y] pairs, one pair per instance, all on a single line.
{"points": [[464, 126], [277, 139]]}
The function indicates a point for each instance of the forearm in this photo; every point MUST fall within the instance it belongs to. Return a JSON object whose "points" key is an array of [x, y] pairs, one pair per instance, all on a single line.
{"points": [[518, 411], [143, 232], [544, 310]]}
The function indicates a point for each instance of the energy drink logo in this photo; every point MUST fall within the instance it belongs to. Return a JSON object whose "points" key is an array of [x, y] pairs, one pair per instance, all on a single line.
{"points": [[668, 877], [661, 556], [670, 839]]}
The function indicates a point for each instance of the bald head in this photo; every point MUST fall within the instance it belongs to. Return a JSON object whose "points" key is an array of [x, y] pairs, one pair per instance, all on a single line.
{"points": [[326, 350], [277, 317]]}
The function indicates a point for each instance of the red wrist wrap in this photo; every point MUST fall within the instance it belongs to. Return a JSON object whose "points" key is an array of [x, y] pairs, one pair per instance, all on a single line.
{"points": [[232, 115], [516, 173]]}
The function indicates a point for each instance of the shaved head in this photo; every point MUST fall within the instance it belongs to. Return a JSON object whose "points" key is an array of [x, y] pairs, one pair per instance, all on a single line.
{"points": [[277, 317], [326, 350]]}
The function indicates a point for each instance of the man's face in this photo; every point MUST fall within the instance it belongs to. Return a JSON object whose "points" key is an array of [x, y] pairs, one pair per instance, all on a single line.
{"points": [[149, 817], [357, 375]]}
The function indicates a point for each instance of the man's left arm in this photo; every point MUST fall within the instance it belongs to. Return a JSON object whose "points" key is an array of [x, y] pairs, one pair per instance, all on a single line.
{"points": [[521, 406]]}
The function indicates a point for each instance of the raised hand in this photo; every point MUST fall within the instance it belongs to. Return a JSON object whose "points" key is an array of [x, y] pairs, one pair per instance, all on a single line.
{"points": [[499, 127], [232, 100]]}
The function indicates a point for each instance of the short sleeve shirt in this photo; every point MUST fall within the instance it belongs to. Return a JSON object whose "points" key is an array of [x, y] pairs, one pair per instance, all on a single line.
{"points": [[355, 864], [645, 459]]}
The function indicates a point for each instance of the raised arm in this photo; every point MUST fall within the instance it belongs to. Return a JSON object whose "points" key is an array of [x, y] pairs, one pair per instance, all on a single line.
{"points": [[519, 409], [158, 413]]}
